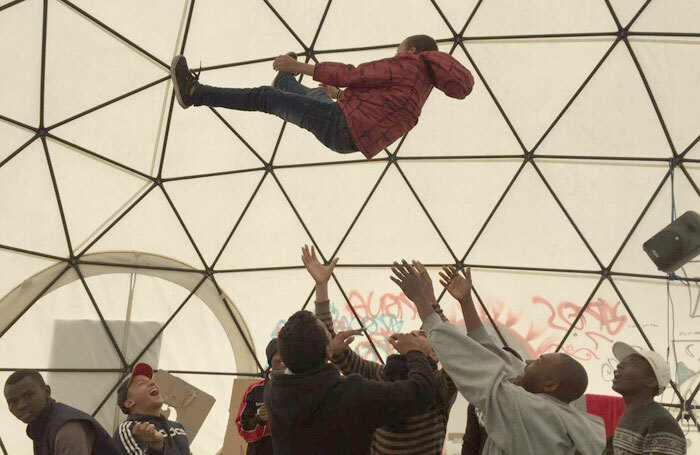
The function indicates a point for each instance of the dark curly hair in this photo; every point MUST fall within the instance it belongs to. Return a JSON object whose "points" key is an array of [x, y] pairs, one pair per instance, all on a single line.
{"points": [[21, 374], [302, 342], [422, 43]]}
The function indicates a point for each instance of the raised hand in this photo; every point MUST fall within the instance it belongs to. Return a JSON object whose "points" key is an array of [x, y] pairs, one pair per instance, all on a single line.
{"points": [[425, 279], [319, 272], [148, 433], [459, 287], [408, 279], [341, 342], [405, 343]]}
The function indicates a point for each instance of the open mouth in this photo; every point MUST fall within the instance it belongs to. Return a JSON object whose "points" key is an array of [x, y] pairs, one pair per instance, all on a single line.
{"points": [[154, 392]]}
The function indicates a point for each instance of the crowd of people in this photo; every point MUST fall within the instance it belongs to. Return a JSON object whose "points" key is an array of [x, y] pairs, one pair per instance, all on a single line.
{"points": [[320, 397]]}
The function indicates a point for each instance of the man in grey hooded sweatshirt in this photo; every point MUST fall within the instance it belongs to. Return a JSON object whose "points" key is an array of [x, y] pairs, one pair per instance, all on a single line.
{"points": [[525, 407]]}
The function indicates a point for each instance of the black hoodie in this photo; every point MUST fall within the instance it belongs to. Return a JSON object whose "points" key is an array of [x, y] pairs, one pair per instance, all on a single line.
{"points": [[319, 412]]}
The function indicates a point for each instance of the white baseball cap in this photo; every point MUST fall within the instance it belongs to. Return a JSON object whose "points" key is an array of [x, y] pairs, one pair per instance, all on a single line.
{"points": [[658, 365]]}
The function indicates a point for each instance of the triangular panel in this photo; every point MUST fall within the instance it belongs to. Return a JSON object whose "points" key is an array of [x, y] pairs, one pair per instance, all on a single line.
{"points": [[163, 15], [92, 191], [514, 237], [182, 348], [513, 17], [13, 138], [304, 21], [393, 225], [581, 185], [269, 234], [126, 131], [285, 293], [669, 16], [19, 91], [211, 206], [519, 73], [151, 227], [70, 88], [329, 197], [382, 23], [457, 11], [31, 218], [250, 32], [668, 69], [612, 116], [460, 196], [19, 267], [625, 10]]}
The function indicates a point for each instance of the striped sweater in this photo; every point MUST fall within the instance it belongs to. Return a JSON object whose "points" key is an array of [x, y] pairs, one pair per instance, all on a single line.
{"points": [[649, 430], [422, 434]]}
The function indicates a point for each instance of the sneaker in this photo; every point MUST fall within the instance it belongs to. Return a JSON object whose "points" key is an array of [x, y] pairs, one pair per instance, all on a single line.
{"points": [[183, 80], [276, 80]]}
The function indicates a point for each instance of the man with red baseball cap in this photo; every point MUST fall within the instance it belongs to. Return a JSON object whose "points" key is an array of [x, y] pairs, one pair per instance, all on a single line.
{"points": [[145, 430], [646, 426]]}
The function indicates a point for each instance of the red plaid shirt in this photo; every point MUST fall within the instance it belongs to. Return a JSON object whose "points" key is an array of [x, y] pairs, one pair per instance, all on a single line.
{"points": [[384, 98]]}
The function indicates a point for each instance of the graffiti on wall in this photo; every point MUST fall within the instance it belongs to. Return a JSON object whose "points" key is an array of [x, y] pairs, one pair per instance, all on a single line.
{"points": [[534, 331]]}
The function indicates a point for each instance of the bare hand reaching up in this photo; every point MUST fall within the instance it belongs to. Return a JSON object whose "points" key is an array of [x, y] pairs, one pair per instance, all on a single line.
{"points": [[410, 282], [427, 282], [459, 287], [319, 272]]}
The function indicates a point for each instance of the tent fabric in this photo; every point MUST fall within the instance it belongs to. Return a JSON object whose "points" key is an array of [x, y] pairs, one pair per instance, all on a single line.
{"points": [[578, 142]]}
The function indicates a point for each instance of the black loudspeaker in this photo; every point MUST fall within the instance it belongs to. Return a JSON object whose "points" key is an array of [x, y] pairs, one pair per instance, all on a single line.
{"points": [[676, 244]]}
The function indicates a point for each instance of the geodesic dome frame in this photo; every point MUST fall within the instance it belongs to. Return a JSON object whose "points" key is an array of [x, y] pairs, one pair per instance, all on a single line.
{"points": [[617, 46]]}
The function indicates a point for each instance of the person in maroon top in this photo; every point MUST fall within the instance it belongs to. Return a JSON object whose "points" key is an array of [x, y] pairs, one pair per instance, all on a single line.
{"points": [[381, 100]]}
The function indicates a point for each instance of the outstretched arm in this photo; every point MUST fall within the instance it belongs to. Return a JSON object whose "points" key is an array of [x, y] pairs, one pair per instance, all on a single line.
{"points": [[343, 357], [321, 275], [460, 288], [480, 375]]}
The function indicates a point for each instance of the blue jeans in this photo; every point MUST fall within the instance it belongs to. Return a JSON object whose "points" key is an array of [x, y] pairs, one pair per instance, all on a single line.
{"points": [[311, 109]]}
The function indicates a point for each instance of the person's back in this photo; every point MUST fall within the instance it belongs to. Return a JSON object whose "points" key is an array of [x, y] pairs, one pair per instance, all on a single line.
{"points": [[316, 411]]}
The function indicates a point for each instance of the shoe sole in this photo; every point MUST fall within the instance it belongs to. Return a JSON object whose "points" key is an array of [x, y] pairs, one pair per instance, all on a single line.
{"points": [[176, 86]]}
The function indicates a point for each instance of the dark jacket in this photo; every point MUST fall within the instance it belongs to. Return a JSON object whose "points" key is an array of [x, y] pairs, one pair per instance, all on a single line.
{"points": [[475, 435], [255, 431], [319, 412], [43, 430], [174, 437]]}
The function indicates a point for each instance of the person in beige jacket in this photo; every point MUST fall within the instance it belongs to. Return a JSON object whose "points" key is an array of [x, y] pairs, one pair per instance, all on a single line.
{"points": [[525, 406]]}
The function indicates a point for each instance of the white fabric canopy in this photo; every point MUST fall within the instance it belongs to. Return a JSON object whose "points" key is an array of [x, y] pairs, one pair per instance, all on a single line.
{"points": [[578, 142]]}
